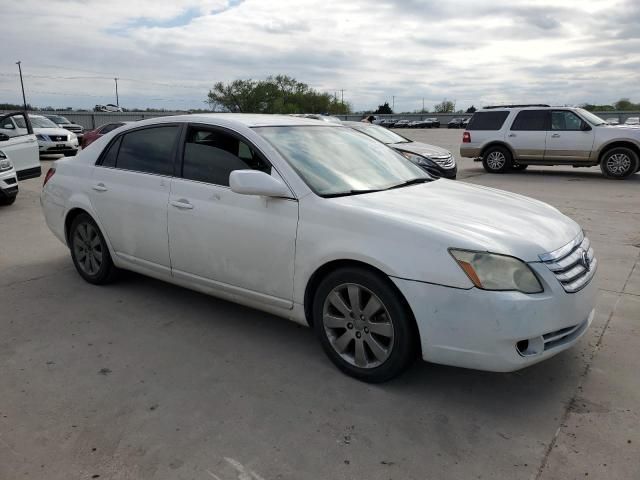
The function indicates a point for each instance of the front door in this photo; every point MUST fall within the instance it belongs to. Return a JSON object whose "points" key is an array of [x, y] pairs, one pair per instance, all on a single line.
{"points": [[21, 145], [240, 244], [129, 191], [567, 140], [527, 136]]}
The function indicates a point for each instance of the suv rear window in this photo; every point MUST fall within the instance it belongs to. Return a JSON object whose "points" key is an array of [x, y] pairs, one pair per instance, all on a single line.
{"points": [[487, 120]]}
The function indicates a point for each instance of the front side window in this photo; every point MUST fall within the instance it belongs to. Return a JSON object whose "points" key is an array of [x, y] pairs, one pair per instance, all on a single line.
{"points": [[149, 150], [15, 124], [211, 155], [530, 120], [339, 161], [565, 120], [41, 122]]}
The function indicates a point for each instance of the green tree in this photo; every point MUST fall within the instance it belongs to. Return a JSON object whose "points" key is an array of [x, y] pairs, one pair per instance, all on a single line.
{"points": [[445, 106], [471, 109], [384, 108]]}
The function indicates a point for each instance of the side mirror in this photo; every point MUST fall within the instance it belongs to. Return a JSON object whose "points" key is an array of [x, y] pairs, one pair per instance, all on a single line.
{"points": [[4, 137], [255, 182], [585, 127]]}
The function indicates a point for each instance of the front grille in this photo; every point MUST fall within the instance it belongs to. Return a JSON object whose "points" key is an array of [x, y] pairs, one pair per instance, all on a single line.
{"points": [[58, 138], [443, 160], [574, 264]]}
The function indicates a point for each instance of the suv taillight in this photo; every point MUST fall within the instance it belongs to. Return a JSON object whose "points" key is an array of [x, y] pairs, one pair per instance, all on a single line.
{"points": [[466, 137], [48, 176]]}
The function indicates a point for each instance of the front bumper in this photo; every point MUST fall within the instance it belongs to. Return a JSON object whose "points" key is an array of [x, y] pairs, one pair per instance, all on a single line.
{"points": [[485, 330], [58, 147], [8, 183]]}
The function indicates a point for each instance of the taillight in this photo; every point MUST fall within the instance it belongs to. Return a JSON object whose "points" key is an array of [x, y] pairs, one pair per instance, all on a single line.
{"points": [[48, 176], [466, 137]]}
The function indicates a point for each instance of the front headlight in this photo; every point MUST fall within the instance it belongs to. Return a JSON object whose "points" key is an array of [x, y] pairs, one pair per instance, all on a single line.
{"points": [[491, 271], [42, 137], [417, 159], [5, 163], [72, 136]]}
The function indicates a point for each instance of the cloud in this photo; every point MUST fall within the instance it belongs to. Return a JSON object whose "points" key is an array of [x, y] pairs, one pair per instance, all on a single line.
{"points": [[167, 54]]}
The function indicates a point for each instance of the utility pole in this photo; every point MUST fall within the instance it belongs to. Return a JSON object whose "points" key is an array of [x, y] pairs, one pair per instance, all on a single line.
{"points": [[117, 100], [342, 96], [24, 100]]}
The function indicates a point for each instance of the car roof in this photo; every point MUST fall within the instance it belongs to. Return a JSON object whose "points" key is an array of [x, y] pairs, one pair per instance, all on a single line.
{"points": [[246, 119]]}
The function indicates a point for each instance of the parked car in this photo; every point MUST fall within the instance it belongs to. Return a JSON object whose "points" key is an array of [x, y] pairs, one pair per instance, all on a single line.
{"points": [[63, 122], [435, 123], [632, 121], [455, 123], [465, 122], [20, 144], [388, 123], [612, 121], [513, 137], [8, 180], [401, 124], [437, 161], [92, 135], [415, 124], [109, 107], [326, 226], [51, 138]]}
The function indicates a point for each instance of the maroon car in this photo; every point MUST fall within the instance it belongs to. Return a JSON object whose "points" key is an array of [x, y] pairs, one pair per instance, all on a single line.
{"points": [[92, 135]]}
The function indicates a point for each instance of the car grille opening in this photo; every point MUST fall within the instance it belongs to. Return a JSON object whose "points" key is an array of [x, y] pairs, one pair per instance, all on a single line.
{"points": [[443, 160], [58, 138], [10, 181], [574, 264]]}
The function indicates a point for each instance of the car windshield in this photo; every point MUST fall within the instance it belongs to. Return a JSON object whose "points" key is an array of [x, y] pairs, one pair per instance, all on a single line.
{"points": [[591, 118], [336, 161], [58, 119], [41, 122], [381, 134]]}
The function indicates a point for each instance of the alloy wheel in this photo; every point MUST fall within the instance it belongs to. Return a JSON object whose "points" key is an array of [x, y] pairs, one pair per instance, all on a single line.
{"points": [[618, 163], [358, 325], [496, 160], [87, 247]]}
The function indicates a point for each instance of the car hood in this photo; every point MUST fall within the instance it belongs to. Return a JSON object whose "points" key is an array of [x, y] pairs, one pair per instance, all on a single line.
{"points": [[474, 217], [420, 148], [51, 131]]}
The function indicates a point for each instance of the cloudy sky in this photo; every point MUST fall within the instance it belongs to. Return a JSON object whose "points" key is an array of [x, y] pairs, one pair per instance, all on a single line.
{"points": [[168, 53]]}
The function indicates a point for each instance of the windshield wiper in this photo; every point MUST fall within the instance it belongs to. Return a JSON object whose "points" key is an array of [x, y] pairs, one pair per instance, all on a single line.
{"points": [[352, 192], [413, 181]]}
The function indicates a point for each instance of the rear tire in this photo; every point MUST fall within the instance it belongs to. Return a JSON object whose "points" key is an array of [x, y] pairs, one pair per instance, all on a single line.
{"points": [[619, 163], [89, 251], [363, 324], [497, 160]]}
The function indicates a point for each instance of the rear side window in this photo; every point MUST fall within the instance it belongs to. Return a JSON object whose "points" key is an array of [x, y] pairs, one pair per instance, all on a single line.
{"points": [[531, 120], [150, 150], [487, 120], [109, 157]]}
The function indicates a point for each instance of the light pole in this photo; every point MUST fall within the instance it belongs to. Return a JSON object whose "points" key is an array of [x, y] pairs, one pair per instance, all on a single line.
{"points": [[24, 100], [117, 100]]}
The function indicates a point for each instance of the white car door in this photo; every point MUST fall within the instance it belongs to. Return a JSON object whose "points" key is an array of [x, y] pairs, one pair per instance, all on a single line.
{"points": [[20, 145], [129, 191], [527, 135], [239, 244], [568, 138]]}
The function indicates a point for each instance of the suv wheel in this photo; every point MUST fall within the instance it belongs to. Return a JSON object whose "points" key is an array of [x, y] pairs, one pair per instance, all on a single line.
{"points": [[497, 160], [619, 163], [364, 327]]}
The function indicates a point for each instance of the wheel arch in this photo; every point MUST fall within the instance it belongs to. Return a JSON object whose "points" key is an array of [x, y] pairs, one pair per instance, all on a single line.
{"points": [[498, 143], [333, 265], [618, 144]]}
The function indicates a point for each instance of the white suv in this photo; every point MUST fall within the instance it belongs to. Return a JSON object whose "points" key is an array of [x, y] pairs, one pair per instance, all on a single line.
{"points": [[513, 137]]}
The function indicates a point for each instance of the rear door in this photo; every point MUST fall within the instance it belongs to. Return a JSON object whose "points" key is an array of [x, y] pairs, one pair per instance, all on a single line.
{"points": [[528, 134], [129, 191], [19, 143], [568, 139]]}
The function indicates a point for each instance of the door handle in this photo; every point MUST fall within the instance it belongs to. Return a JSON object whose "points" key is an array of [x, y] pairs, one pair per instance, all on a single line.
{"points": [[182, 203], [555, 135], [100, 187], [512, 135]]}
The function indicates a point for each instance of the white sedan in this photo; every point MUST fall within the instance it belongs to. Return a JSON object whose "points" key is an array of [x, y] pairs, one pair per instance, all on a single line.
{"points": [[330, 228]]}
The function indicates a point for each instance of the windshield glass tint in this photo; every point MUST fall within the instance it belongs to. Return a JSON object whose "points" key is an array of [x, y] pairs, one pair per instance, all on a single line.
{"points": [[41, 122], [591, 118], [381, 133], [333, 160]]}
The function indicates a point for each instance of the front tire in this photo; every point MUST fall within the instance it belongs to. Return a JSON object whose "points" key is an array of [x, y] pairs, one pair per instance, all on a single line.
{"points": [[363, 324], [497, 160], [619, 163], [89, 251], [7, 200]]}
